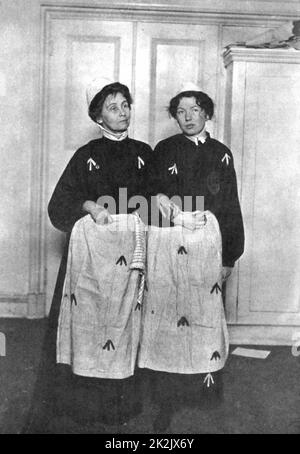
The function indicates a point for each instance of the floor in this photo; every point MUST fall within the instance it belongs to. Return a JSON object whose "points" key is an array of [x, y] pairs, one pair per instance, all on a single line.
{"points": [[261, 396]]}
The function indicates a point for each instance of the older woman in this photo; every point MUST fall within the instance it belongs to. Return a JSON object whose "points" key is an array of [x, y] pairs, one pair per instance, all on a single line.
{"points": [[184, 336], [99, 169]]}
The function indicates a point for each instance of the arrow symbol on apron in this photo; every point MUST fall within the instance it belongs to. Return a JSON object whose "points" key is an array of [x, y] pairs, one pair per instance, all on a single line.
{"points": [[215, 355], [173, 169], [183, 322], [182, 250], [226, 158], [216, 288], [91, 163], [73, 299], [109, 344], [141, 163], [121, 261]]}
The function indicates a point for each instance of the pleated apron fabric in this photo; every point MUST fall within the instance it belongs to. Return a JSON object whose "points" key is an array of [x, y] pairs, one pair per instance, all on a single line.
{"points": [[99, 321], [183, 323]]}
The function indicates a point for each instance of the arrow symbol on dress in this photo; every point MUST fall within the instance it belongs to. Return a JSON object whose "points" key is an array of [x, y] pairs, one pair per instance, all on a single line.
{"points": [[226, 158], [209, 380], [108, 345], [91, 163], [173, 169], [141, 163], [216, 288]]}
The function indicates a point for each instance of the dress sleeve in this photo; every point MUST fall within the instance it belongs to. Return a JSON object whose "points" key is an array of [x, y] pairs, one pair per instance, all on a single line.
{"points": [[230, 218], [145, 183], [157, 181], [65, 206]]}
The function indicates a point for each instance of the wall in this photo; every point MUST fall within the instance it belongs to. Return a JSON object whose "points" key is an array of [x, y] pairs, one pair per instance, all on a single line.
{"points": [[22, 207], [19, 77]]}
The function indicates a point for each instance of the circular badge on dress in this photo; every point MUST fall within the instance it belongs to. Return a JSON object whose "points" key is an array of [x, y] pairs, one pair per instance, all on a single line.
{"points": [[213, 182]]}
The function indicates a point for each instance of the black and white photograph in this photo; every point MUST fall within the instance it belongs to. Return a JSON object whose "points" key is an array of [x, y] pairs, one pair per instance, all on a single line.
{"points": [[150, 219]]}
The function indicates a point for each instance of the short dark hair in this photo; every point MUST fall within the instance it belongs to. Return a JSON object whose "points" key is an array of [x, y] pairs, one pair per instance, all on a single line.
{"points": [[202, 99], [96, 105]]}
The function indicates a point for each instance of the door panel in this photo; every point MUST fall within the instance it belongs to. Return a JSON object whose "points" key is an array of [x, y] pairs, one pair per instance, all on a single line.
{"points": [[169, 55]]}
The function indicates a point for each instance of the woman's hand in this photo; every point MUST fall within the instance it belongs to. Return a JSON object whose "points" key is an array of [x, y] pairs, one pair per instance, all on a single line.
{"points": [[191, 221], [99, 214], [103, 217], [226, 272], [167, 208]]}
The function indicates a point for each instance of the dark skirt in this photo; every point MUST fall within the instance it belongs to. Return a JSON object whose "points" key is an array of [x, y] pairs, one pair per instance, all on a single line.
{"points": [[58, 392], [175, 391]]}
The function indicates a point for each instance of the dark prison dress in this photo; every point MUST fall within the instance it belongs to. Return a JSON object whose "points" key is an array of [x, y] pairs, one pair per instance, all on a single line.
{"points": [[98, 169], [182, 168], [204, 171]]}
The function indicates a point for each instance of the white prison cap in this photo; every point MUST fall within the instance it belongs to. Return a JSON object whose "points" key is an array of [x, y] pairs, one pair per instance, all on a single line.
{"points": [[95, 86], [189, 86]]}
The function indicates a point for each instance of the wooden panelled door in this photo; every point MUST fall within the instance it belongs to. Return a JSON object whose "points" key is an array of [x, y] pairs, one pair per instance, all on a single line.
{"points": [[263, 117], [153, 59], [269, 274]]}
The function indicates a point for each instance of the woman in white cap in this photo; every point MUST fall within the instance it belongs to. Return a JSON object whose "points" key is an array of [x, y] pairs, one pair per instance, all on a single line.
{"points": [[185, 339], [99, 168], [103, 166]]}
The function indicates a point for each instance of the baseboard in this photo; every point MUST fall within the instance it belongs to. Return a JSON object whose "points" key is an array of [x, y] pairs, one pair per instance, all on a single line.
{"points": [[31, 306], [12, 309], [264, 335]]}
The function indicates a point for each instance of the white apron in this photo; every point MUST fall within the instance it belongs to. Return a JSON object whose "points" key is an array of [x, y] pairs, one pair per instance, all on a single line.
{"points": [[183, 323], [99, 320]]}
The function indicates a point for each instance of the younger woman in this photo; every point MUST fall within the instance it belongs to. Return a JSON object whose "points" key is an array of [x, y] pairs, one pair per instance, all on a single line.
{"points": [[185, 337]]}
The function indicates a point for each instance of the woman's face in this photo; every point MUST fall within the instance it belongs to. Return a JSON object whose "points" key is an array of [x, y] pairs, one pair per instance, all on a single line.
{"points": [[115, 115], [190, 117]]}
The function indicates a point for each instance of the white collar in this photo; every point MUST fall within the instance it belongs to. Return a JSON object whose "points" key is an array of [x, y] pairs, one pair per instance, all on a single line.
{"points": [[201, 137], [113, 136]]}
